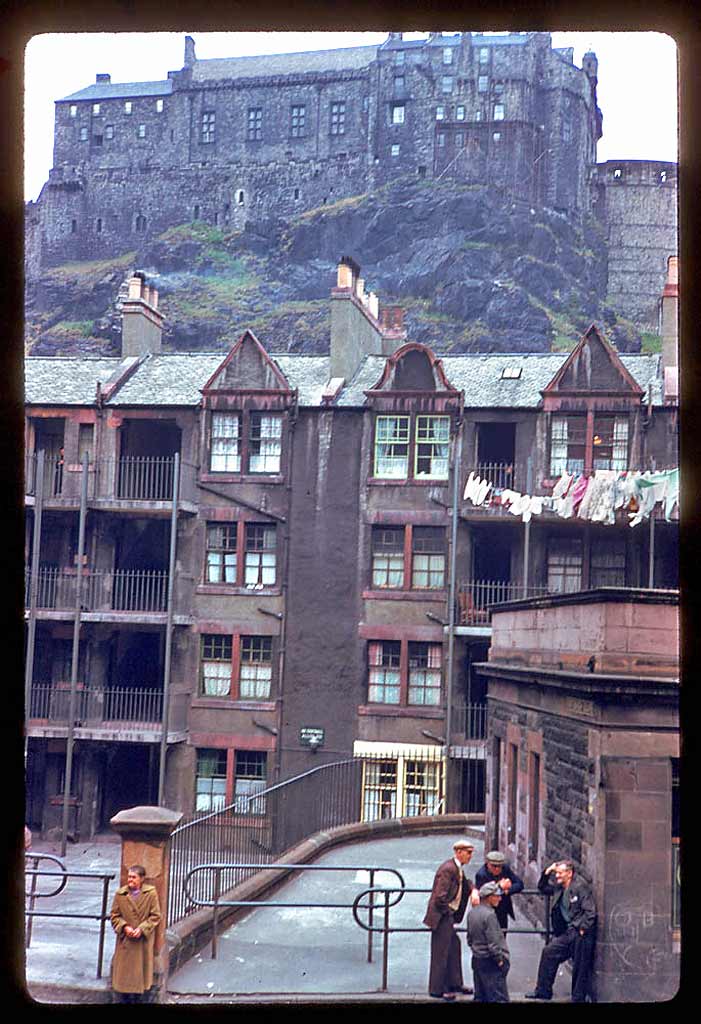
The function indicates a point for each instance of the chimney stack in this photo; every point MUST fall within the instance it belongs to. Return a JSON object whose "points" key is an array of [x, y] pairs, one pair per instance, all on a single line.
{"points": [[355, 329], [103, 79], [142, 322], [669, 329]]}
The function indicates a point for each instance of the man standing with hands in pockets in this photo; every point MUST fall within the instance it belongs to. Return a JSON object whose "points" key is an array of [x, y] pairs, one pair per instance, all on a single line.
{"points": [[446, 907]]}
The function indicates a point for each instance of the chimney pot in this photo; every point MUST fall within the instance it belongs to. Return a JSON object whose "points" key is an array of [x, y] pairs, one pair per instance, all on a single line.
{"points": [[99, 79]]}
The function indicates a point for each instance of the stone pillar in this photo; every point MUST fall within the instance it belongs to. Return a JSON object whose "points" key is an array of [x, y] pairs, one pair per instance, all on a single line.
{"points": [[145, 833]]}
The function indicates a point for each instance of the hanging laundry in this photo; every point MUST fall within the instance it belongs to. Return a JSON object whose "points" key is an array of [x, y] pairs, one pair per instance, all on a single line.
{"points": [[672, 497], [579, 490]]}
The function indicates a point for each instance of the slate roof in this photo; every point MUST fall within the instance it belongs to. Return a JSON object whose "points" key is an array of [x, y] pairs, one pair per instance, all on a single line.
{"points": [[65, 380], [121, 90], [175, 379], [344, 59]]}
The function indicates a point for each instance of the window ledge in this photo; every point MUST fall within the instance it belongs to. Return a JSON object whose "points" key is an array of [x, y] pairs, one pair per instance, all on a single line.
{"points": [[241, 478], [397, 711], [233, 704], [402, 481], [436, 596], [229, 590]]}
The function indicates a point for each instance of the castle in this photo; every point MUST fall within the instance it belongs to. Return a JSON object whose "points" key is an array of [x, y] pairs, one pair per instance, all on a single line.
{"points": [[245, 139]]}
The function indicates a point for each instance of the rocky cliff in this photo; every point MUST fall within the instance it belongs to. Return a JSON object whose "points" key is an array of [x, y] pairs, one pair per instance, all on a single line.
{"points": [[473, 272]]}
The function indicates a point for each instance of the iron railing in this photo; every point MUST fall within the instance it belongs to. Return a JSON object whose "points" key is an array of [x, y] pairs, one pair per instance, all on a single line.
{"points": [[676, 886], [94, 706], [124, 590], [477, 597], [470, 720], [127, 478], [340, 793], [145, 478], [498, 474]]}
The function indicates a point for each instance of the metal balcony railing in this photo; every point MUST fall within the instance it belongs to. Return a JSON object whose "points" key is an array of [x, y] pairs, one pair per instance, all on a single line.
{"points": [[475, 598], [470, 720], [499, 474], [95, 706], [125, 590], [145, 478], [128, 478]]}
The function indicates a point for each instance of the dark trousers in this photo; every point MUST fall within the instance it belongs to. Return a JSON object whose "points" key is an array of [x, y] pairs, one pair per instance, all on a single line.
{"points": [[570, 945], [490, 980], [445, 973]]}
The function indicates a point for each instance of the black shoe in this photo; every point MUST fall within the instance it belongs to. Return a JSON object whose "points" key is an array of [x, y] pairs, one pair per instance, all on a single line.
{"points": [[449, 997], [537, 995], [464, 989]]}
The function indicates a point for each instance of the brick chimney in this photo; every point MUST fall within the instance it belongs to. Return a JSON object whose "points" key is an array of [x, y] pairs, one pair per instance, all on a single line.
{"points": [[392, 327], [142, 323]]}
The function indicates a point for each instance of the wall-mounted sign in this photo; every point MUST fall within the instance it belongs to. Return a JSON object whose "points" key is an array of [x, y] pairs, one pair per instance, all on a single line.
{"points": [[311, 736]]}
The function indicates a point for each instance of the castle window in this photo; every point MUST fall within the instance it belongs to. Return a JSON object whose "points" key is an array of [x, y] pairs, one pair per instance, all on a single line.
{"points": [[447, 55], [98, 225], [446, 85], [482, 83], [254, 126], [208, 126], [662, 177], [140, 223], [141, 131], [96, 108], [109, 131], [496, 136], [83, 134], [399, 57], [196, 213], [498, 111], [74, 226], [298, 121], [440, 113], [128, 107], [395, 149], [296, 193], [484, 55], [460, 113], [338, 118], [73, 110], [459, 140], [256, 670], [498, 88], [478, 115], [440, 139], [398, 113], [240, 197], [618, 173], [97, 140], [159, 106]]}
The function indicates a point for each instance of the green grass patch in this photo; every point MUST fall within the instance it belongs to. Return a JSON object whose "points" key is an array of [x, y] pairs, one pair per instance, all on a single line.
{"points": [[651, 343], [83, 328]]}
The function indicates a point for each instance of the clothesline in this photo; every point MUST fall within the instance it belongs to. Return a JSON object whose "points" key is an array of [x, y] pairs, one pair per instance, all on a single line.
{"points": [[595, 498]]}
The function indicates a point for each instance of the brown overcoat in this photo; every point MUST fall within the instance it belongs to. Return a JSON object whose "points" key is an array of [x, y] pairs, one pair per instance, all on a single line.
{"points": [[445, 889], [132, 965]]}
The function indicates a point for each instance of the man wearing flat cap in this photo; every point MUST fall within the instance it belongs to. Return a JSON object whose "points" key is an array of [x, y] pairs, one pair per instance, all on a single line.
{"points": [[496, 869], [490, 954], [446, 908]]}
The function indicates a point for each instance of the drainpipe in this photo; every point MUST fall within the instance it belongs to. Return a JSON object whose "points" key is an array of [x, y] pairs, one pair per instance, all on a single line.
{"points": [[285, 592], [451, 610], [33, 585], [651, 559], [169, 633], [75, 651]]}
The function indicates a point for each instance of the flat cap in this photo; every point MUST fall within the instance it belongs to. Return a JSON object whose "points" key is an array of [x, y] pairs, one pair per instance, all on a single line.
{"points": [[463, 844], [495, 857], [489, 889]]}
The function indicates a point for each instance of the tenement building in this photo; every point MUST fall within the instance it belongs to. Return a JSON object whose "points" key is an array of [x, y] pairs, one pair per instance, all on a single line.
{"points": [[230, 141], [244, 565]]}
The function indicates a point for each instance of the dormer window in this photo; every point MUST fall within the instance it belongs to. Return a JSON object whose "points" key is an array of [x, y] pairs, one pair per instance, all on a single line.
{"points": [[225, 450], [425, 449], [570, 452], [265, 443], [245, 439]]}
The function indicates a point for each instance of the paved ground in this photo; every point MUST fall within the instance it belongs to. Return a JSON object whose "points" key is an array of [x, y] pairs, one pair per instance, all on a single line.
{"points": [[279, 954]]}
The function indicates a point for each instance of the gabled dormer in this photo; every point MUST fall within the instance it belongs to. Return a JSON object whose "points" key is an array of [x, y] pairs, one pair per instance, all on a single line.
{"points": [[413, 405], [246, 405], [592, 408]]}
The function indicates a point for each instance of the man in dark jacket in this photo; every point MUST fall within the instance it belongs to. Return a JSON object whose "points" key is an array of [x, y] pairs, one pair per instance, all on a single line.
{"points": [[490, 954], [496, 869], [573, 920], [446, 907]]}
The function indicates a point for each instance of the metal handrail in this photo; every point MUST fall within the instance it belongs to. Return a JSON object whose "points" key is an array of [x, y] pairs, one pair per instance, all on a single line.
{"points": [[33, 895], [386, 930], [102, 917], [217, 902]]}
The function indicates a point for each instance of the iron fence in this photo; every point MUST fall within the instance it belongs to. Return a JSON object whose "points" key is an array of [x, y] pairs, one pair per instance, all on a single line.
{"points": [[122, 704], [470, 720], [130, 590], [498, 474], [145, 478], [476, 598]]}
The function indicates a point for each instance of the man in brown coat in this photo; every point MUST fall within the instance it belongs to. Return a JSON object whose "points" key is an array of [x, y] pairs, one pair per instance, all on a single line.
{"points": [[446, 907], [135, 915]]}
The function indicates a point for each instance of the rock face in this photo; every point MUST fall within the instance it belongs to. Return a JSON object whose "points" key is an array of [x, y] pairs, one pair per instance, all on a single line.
{"points": [[473, 273]]}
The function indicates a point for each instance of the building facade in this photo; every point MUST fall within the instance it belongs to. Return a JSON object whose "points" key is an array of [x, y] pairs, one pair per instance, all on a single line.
{"points": [[584, 764], [243, 566]]}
